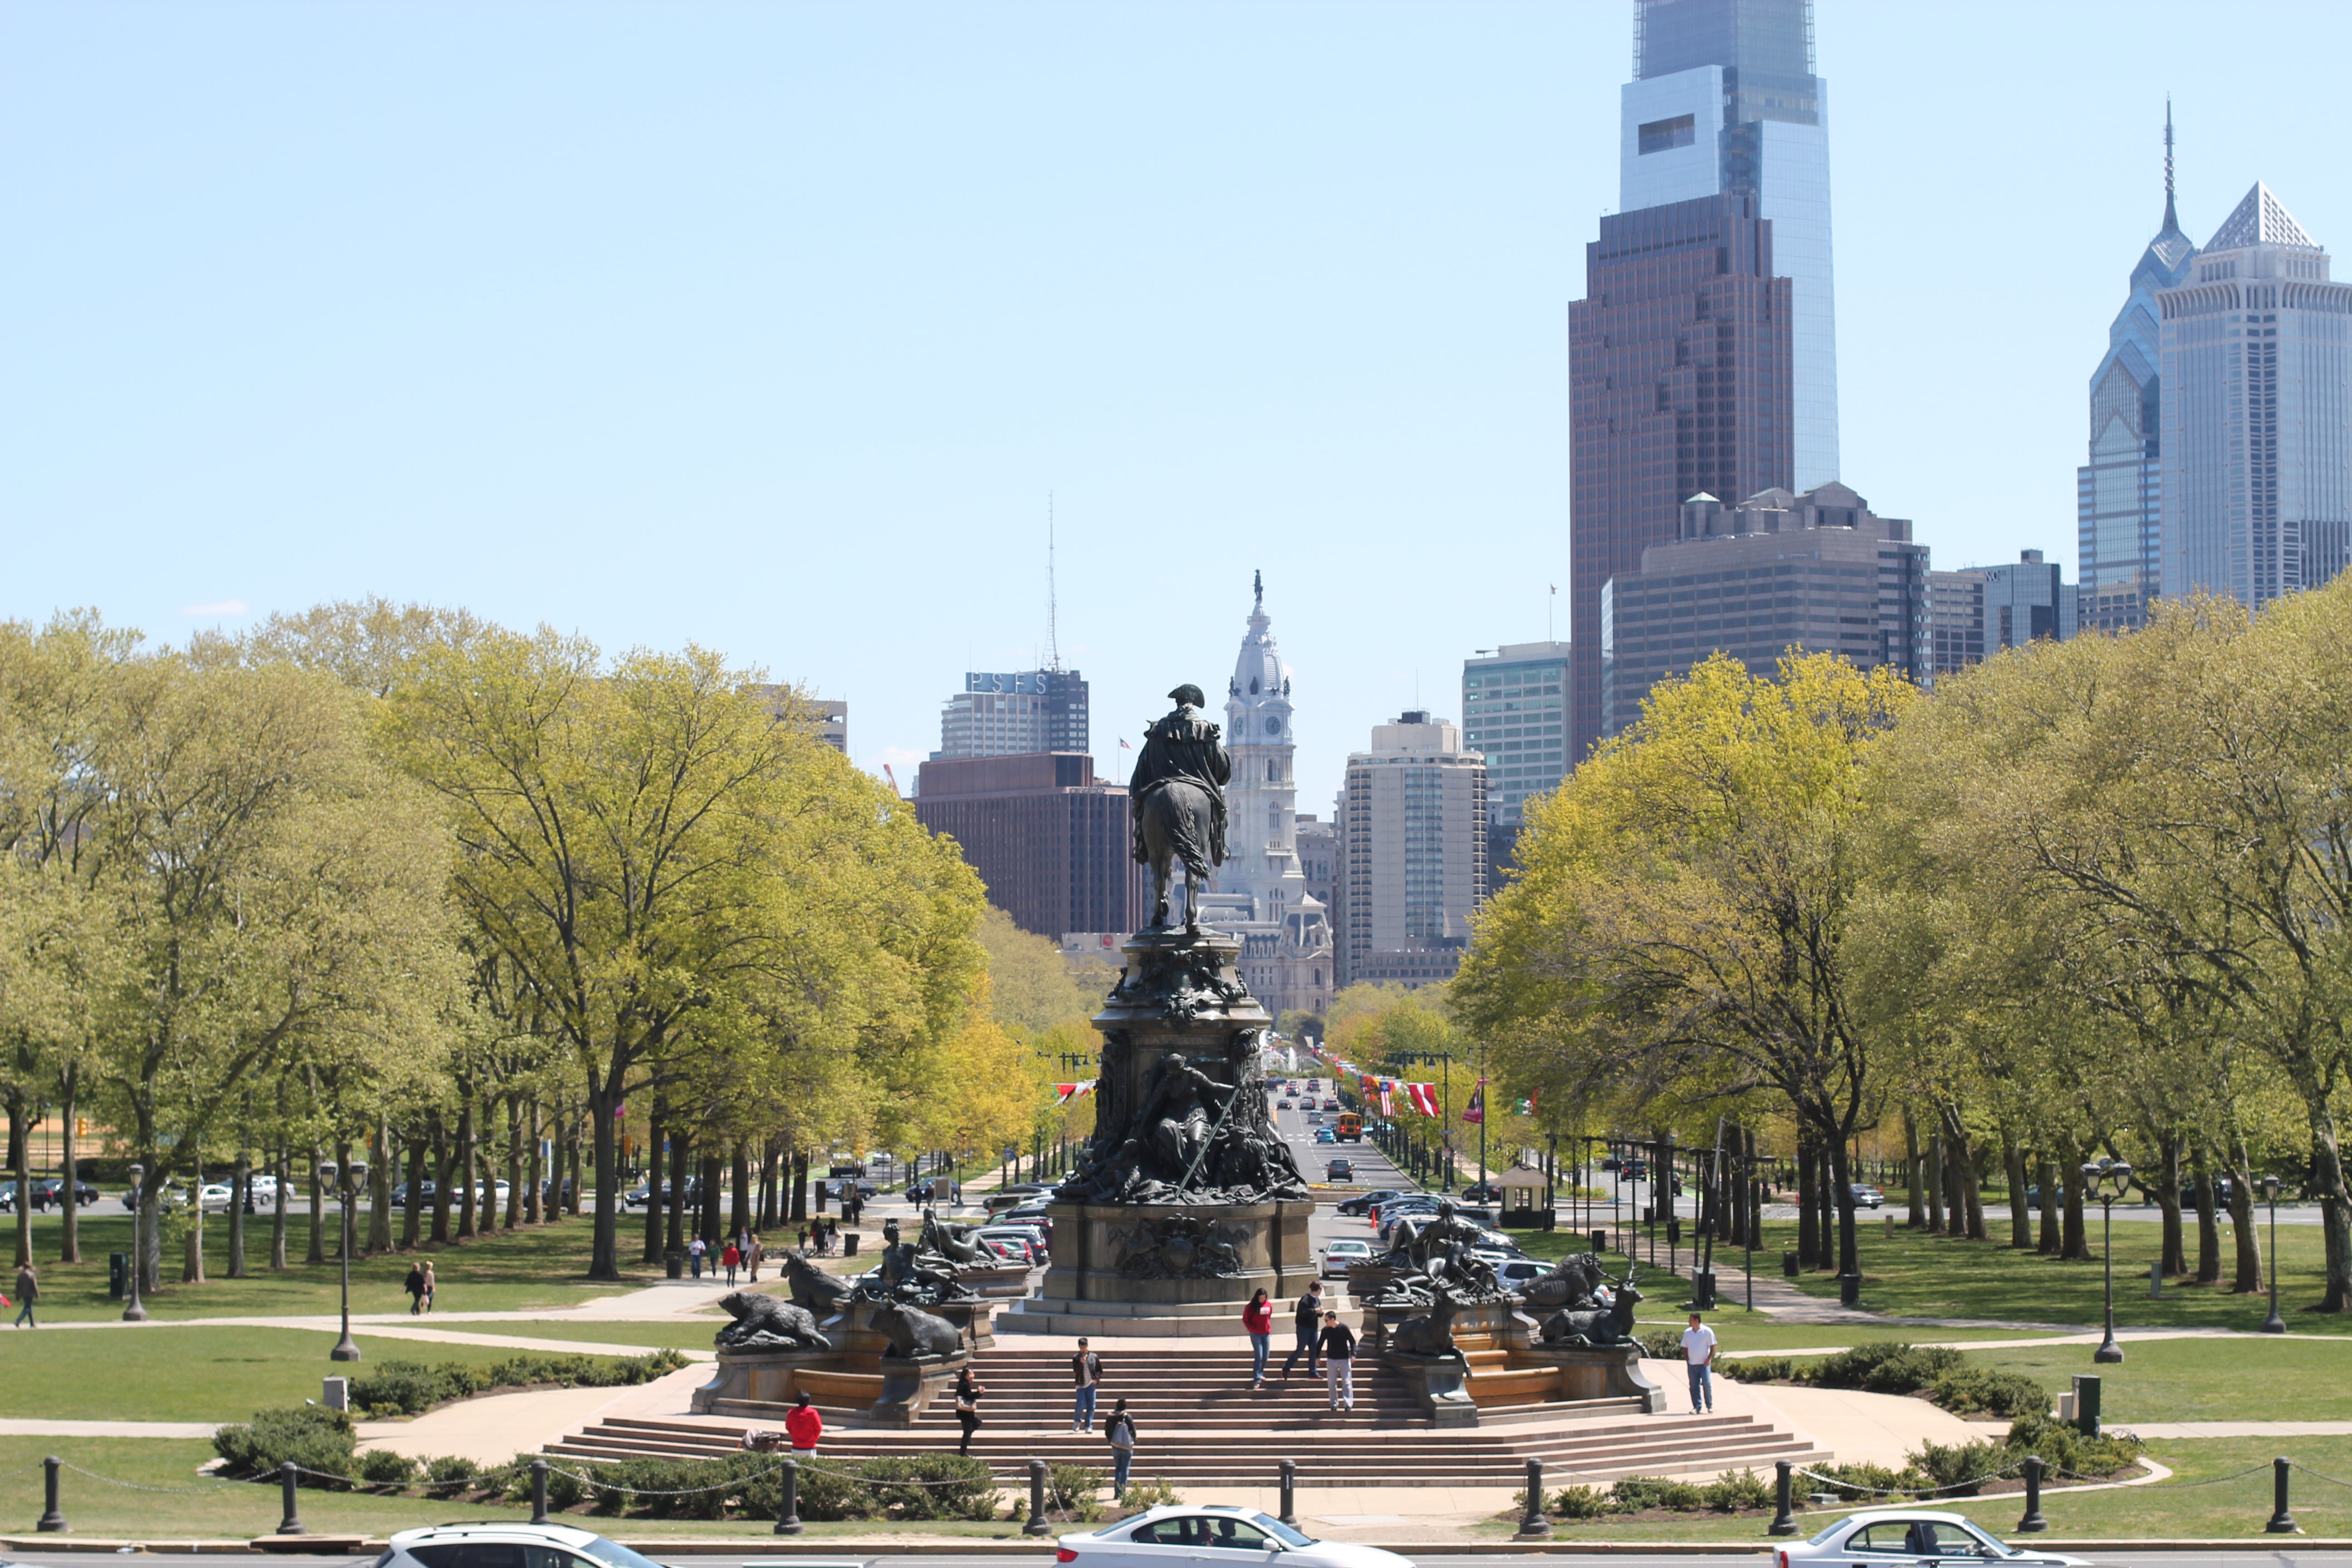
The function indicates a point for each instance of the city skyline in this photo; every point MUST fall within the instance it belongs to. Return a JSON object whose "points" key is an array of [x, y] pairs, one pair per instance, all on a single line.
{"points": [[352, 303]]}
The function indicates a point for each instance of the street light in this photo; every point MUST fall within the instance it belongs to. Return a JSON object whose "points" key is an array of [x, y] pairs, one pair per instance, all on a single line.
{"points": [[135, 1314], [2107, 1179], [2275, 1324], [348, 1179]]}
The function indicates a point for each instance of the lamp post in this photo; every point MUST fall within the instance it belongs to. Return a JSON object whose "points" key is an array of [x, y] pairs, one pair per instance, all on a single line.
{"points": [[134, 1312], [346, 1180], [2107, 1179], [2273, 1325]]}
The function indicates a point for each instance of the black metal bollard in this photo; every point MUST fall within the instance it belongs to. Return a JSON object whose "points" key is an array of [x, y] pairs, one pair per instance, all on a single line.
{"points": [[51, 1520], [2033, 1523], [1036, 1525], [292, 1524], [539, 1491], [1289, 1515], [788, 1502], [1533, 1525], [1784, 1485], [2280, 1521]]}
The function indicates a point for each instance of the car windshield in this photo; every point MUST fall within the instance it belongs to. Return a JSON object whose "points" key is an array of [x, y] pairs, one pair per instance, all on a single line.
{"points": [[1827, 1531], [1281, 1531], [618, 1556], [1995, 1546]]}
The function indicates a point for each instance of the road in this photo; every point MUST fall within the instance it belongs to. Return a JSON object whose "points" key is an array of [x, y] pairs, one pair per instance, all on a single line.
{"points": [[822, 1551]]}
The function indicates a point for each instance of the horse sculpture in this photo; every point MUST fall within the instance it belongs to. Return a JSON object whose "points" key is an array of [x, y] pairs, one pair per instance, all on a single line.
{"points": [[1177, 796], [1176, 822]]}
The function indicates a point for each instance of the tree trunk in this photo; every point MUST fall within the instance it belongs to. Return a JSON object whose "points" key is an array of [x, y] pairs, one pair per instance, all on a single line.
{"points": [[2248, 1235], [20, 1167], [380, 1170], [2335, 1219], [240, 1183], [316, 1251], [2069, 1172], [192, 1265], [1916, 1200], [1849, 1250], [1967, 1185], [443, 1170], [738, 1210], [1755, 1197], [470, 1194], [2021, 1218], [712, 1175], [2208, 1220], [656, 1199], [70, 1240], [535, 1204], [800, 1187], [277, 1210], [570, 1202], [412, 1219], [517, 1184], [675, 1241], [1934, 1172], [1809, 1219], [2050, 1242], [604, 1256], [2167, 1200]]}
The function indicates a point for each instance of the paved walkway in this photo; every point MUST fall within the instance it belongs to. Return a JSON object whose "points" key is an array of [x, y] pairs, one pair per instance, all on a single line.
{"points": [[11, 1427], [2152, 1429]]}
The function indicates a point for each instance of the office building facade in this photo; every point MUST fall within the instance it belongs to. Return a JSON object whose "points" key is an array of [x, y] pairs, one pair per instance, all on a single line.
{"points": [[1051, 842], [2120, 493], [1515, 710], [1725, 102], [2257, 434], [830, 718], [1006, 713], [1679, 383], [1979, 611], [1816, 573], [1412, 833]]}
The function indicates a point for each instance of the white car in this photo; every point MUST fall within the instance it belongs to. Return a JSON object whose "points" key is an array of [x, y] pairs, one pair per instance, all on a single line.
{"points": [[1339, 1254], [1193, 1533], [214, 1197], [501, 1545], [1913, 1537]]}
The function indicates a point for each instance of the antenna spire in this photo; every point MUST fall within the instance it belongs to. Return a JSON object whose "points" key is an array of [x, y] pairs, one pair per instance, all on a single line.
{"points": [[2170, 219], [1257, 585], [1053, 628]]}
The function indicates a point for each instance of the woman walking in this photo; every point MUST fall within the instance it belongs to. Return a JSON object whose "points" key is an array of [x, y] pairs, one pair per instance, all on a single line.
{"points": [[729, 1259], [415, 1286], [28, 1291], [968, 1389], [1121, 1430], [1258, 1319]]}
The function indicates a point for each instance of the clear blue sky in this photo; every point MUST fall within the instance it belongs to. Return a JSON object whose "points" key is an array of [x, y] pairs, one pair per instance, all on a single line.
{"points": [[773, 326]]}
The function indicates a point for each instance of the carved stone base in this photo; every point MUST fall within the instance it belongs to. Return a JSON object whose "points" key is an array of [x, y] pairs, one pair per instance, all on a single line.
{"points": [[1009, 1283], [1440, 1383], [1611, 1372], [851, 1388], [1191, 1253]]}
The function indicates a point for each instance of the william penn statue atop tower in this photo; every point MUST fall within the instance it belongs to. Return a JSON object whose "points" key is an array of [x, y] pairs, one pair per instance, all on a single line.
{"points": [[1178, 798]]}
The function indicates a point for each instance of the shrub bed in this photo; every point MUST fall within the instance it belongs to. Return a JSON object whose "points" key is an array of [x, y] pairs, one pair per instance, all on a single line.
{"points": [[1940, 1373], [412, 1388]]}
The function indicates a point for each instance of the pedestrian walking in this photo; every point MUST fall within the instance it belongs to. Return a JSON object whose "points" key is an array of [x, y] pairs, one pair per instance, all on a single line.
{"points": [[694, 1251], [729, 1260], [752, 1254], [28, 1291], [1308, 1317], [1121, 1430], [1257, 1318], [967, 1392], [415, 1286], [805, 1424], [1085, 1375], [1698, 1362], [1338, 1344], [430, 1285], [800, 1238]]}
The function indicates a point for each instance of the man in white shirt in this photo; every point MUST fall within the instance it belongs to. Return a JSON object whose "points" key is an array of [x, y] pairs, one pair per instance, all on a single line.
{"points": [[1698, 1357]]}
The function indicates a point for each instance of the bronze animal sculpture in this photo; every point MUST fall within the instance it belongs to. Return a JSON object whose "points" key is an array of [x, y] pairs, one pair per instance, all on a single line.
{"points": [[1178, 789], [915, 1332], [1432, 1333], [811, 1287], [1595, 1328], [763, 1322], [1570, 1282]]}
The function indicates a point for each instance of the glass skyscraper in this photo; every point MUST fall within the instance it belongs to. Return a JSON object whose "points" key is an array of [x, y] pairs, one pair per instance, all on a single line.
{"points": [[2118, 494], [2257, 367], [1725, 102]]}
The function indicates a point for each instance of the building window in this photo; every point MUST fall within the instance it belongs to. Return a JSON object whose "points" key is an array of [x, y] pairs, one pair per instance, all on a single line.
{"points": [[1665, 135]]}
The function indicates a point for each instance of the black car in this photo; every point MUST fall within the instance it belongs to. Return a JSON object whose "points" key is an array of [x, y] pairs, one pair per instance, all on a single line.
{"points": [[425, 1193], [1339, 1171], [1364, 1203], [1486, 1193], [49, 1193]]}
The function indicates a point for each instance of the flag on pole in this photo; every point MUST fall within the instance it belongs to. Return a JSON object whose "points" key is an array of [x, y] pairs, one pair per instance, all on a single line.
{"points": [[1423, 1097], [1476, 1109], [1063, 1092]]}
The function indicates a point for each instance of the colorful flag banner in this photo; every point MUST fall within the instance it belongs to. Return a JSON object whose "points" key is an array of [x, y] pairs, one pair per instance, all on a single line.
{"points": [[1476, 1109]]}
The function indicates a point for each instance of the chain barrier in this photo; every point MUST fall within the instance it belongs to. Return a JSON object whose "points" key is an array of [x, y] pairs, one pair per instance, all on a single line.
{"points": [[2170, 1486], [138, 1487], [1909, 1491], [2316, 1475]]}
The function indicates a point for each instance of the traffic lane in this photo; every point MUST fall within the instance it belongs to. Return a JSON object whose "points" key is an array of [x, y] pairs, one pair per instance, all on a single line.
{"points": [[836, 1550]]}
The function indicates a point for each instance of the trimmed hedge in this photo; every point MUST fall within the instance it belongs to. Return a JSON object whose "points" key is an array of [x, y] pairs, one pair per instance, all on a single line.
{"points": [[411, 1387], [311, 1436], [1942, 1373]]}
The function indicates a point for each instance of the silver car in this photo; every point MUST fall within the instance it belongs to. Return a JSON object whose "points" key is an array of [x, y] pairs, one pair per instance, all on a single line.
{"points": [[1913, 1538], [501, 1545], [1194, 1532]]}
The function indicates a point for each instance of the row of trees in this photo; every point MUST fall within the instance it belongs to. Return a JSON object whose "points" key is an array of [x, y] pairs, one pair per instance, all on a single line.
{"points": [[399, 878], [2089, 896]]}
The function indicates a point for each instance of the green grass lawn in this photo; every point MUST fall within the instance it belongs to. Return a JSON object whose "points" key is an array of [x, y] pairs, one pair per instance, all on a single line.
{"points": [[2224, 1510], [691, 1334], [514, 1270], [190, 1373], [1912, 1274]]}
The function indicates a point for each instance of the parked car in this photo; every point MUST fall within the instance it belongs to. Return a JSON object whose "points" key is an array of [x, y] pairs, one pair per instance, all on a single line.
{"points": [[1195, 1532], [175, 1197], [1339, 1170], [1337, 1255], [1018, 1196], [427, 1189], [49, 1193], [1514, 1269], [1365, 1202], [1914, 1536], [216, 1197], [1867, 1197], [1483, 1192], [635, 1198], [1010, 1249], [1028, 1238], [497, 1544]]}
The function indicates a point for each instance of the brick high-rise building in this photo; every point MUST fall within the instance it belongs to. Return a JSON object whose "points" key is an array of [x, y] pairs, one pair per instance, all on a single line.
{"points": [[1050, 840], [1680, 381]]}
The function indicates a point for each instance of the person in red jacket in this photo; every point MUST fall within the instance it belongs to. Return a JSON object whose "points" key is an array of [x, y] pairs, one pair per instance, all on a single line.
{"points": [[805, 1425], [1258, 1319]]}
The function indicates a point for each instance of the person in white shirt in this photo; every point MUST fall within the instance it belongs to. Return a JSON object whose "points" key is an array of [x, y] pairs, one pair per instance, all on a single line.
{"points": [[1698, 1358]]}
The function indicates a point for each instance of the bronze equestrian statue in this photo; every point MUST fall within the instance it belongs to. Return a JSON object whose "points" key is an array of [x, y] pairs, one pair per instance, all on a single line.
{"points": [[1177, 792]]}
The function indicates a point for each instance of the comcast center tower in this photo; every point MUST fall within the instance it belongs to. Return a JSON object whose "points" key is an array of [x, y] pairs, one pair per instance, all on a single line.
{"points": [[1724, 101]]}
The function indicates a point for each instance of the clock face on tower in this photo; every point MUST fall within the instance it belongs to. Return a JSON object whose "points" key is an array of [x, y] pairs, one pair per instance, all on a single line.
{"points": [[1273, 725]]}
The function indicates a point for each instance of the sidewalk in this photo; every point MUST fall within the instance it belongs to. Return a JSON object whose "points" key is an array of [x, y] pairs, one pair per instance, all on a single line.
{"points": [[493, 1430]]}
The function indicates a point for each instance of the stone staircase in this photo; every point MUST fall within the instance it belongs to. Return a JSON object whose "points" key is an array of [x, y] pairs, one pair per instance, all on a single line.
{"points": [[1200, 1423]]}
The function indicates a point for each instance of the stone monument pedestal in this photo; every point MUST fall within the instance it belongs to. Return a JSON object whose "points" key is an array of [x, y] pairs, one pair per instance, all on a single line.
{"points": [[1611, 1372], [855, 1388]]}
